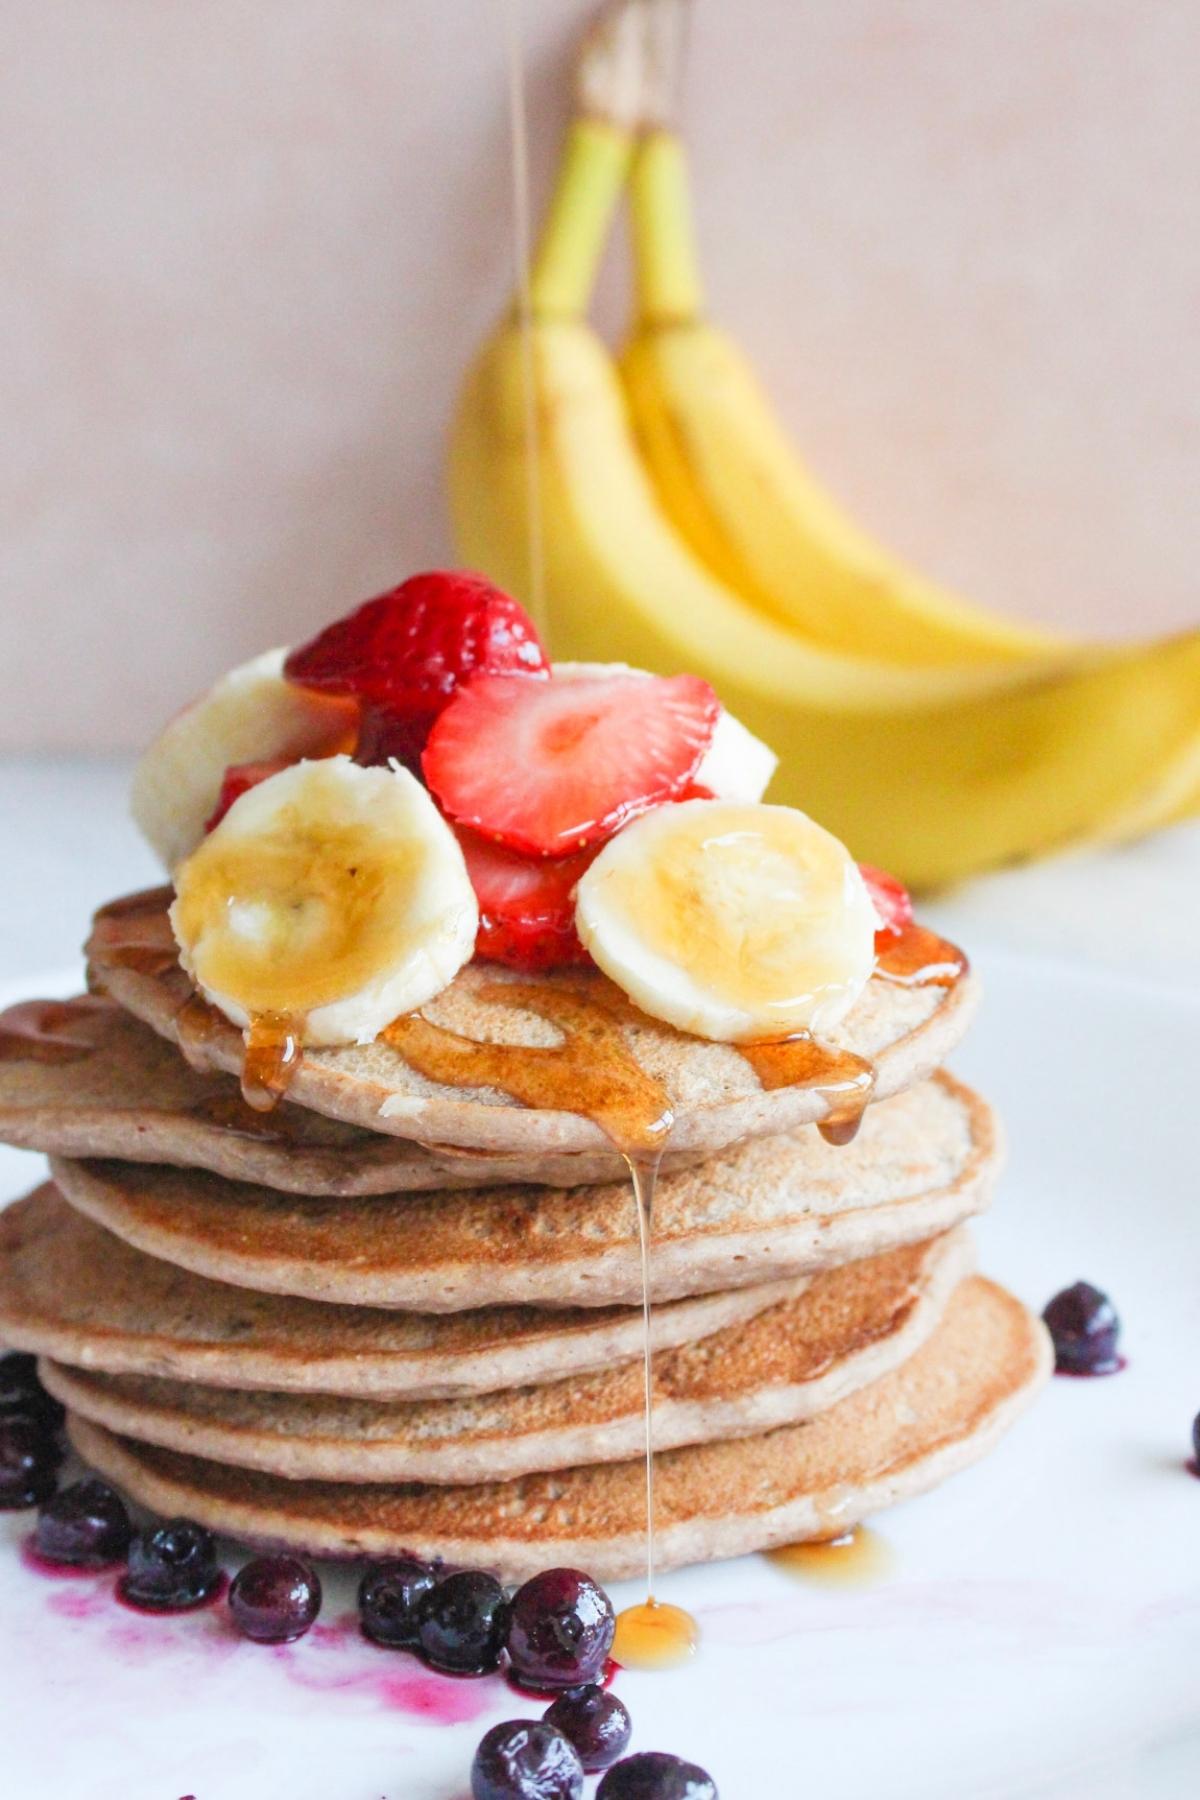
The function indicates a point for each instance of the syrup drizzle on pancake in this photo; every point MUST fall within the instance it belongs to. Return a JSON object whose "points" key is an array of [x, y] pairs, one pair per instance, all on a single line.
{"points": [[48, 1031], [917, 957]]}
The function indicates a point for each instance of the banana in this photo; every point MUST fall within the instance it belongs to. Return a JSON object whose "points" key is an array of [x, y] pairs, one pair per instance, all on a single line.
{"points": [[332, 895], [250, 715], [730, 481], [732, 922], [934, 773]]}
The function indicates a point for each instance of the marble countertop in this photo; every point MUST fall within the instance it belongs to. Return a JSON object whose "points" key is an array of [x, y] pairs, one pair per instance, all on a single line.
{"points": [[68, 844]]}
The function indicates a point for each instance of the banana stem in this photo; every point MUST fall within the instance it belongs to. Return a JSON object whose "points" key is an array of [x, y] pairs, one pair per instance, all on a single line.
{"points": [[591, 175], [664, 244]]}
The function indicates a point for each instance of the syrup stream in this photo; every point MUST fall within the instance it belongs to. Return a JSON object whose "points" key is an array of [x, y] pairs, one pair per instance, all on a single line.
{"points": [[535, 596]]}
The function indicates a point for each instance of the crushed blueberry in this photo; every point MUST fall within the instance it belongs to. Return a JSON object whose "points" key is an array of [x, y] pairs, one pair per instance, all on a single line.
{"points": [[22, 1394], [171, 1567], [461, 1623], [84, 1525], [596, 1723], [655, 1776], [524, 1760], [275, 1599], [29, 1459], [1084, 1326], [560, 1630], [389, 1596]]}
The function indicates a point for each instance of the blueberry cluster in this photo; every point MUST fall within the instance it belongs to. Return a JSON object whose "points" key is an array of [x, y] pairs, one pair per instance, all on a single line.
{"points": [[30, 1452], [554, 1634]]}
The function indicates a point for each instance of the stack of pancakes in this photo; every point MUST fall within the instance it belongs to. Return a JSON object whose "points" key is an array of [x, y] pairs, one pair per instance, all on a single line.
{"points": [[398, 1314]]}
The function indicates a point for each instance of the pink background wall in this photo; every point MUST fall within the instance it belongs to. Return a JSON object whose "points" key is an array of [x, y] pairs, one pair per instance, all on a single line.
{"points": [[248, 247]]}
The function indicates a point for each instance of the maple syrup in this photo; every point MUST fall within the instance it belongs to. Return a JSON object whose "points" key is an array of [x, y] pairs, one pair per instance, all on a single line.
{"points": [[230, 1113], [135, 933], [49, 1031], [196, 1025], [917, 957], [273, 1049], [591, 1072], [855, 1558], [847, 1081], [654, 1635]]}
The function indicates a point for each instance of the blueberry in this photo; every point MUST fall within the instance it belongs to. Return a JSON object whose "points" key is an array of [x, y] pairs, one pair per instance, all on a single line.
{"points": [[171, 1567], [22, 1394], [461, 1623], [654, 1776], [561, 1629], [1084, 1326], [29, 1459], [1196, 1438], [521, 1760], [388, 1598], [86, 1525], [274, 1599], [595, 1722]]}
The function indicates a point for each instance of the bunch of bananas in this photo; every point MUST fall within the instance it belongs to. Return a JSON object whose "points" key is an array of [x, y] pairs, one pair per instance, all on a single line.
{"points": [[676, 528]]}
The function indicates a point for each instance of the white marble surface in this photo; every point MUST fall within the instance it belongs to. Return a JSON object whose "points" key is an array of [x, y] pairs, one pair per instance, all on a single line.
{"points": [[68, 843]]}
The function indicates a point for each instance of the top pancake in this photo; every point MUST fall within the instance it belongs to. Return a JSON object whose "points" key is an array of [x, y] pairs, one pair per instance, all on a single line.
{"points": [[114, 1088], [717, 1099]]}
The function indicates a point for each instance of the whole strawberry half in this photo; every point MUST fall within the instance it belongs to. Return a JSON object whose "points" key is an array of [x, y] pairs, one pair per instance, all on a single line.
{"points": [[526, 904], [550, 767], [890, 899], [405, 653]]}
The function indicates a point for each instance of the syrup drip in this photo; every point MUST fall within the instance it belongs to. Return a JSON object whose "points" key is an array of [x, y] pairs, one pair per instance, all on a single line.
{"points": [[845, 1080], [854, 1559], [594, 1073], [49, 1031], [230, 1113], [916, 957], [135, 933], [196, 1025], [273, 1050]]}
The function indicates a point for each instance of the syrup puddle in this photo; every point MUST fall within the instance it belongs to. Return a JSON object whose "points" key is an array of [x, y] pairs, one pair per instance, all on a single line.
{"points": [[857, 1558]]}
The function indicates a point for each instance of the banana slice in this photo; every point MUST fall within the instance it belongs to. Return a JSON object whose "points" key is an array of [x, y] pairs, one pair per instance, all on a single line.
{"points": [[736, 765], [732, 922], [252, 714], [333, 895]]}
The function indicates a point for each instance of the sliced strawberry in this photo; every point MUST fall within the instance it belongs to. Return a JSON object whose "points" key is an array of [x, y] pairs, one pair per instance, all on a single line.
{"points": [[405, 653], [526, 904], [548, 767], [889, 897], [238, 779]]}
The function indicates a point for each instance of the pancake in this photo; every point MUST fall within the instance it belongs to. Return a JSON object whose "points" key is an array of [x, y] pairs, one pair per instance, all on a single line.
{"points": [[717, 1099], [788, 1364], [940, 1410], [771, 1207], [71, 1291], [114, 1087]]}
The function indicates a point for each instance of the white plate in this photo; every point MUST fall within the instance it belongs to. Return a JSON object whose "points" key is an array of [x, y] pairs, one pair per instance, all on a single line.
{"points": [[1039, 1633]]}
